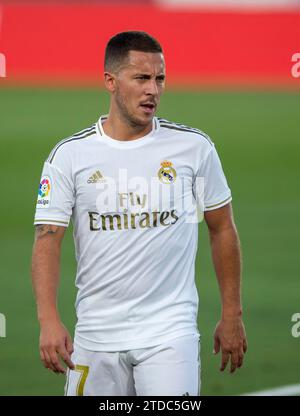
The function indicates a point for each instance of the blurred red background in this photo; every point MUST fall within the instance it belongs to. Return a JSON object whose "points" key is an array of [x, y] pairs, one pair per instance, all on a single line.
{"points": [[56, 42]]}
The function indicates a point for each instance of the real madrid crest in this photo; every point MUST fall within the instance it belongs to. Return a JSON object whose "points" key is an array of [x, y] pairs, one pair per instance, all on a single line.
{"points": [[167, 174]]}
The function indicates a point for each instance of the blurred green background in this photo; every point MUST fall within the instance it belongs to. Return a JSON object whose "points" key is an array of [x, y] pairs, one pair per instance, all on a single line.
{"points": [[257, 137]]}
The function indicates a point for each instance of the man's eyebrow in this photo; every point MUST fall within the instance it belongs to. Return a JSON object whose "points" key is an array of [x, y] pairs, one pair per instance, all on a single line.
{"points": [[141, 74]]}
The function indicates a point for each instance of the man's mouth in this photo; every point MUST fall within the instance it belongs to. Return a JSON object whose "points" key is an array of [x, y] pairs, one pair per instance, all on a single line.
{"points": [[148, 107]]}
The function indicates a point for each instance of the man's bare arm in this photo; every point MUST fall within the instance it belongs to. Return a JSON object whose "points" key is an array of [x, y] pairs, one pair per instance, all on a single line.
{"points": [[230, 334], [55, 340]]}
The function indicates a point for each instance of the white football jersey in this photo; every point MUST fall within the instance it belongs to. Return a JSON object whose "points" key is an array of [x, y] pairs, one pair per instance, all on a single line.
{"points": [[135, 226]]}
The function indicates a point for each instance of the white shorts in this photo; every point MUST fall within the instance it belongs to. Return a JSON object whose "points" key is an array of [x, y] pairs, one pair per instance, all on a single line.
{"points": [[169, 369]]}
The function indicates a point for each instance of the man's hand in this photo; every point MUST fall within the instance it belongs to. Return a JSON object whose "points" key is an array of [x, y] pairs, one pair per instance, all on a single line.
{"points": [[55, 341], [55, 345], [230, 337]]}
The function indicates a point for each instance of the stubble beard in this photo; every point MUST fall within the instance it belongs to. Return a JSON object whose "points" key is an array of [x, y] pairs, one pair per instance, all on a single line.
{"points": [[130, 118]]}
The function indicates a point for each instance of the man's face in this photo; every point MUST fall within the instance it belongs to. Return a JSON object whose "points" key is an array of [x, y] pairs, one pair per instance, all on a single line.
{"points": [[138, 86]]}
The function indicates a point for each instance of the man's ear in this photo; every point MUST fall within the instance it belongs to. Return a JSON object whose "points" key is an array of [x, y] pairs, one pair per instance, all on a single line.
{"points": [[110, 81]]}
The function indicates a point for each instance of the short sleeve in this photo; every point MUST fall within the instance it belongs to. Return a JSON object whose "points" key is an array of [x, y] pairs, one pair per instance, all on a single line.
{"points": [[55, 198], [216, 192]]}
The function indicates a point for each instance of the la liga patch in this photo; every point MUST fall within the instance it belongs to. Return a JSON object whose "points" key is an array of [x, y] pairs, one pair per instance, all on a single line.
{"points": [[44, 193]]}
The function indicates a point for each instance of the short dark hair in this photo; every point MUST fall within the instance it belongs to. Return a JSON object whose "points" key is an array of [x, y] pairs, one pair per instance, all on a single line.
{"points": [[119, 46]]}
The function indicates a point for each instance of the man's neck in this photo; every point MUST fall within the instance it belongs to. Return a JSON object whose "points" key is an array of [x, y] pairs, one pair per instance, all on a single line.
{"points": [[119, 129]]}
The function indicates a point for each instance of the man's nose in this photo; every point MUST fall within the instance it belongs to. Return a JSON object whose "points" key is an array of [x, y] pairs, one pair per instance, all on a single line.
{"points": [[152, 87]]}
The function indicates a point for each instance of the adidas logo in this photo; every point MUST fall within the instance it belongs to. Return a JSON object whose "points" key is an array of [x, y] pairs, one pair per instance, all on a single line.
{"points": [[96, 177]]}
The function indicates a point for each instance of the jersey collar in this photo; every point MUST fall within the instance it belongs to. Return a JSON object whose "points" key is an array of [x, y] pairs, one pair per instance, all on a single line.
{"points": [[128, 144]]}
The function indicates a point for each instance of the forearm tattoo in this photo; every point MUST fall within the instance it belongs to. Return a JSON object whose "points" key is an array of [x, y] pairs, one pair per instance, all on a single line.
{"points": [[45, 229]]}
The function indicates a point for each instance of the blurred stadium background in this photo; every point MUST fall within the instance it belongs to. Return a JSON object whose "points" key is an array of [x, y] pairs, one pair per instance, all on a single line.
{"points": [[233, 71]]}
